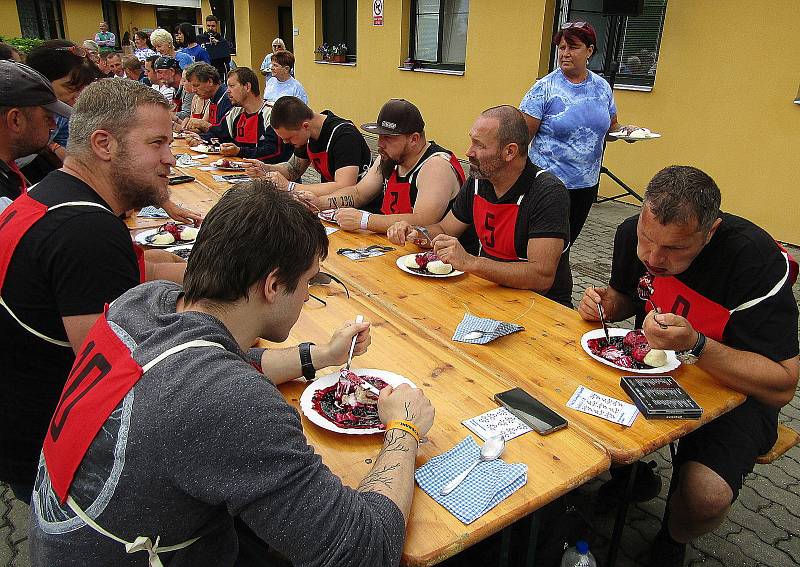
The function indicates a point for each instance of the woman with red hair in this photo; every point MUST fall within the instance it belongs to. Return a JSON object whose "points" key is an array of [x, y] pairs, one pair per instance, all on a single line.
{"points": [[569, 113]]}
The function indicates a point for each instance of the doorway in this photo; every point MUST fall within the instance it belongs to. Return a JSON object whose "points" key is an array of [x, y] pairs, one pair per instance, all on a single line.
{"points": [[285, 29]]}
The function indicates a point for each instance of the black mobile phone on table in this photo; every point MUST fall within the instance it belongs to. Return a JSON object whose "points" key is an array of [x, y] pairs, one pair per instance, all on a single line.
{"points": [[178, 179], [528, 409]]}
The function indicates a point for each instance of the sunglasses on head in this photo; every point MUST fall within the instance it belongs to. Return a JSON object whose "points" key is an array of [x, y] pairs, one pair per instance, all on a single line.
{"points": [[577, 25], [75, 50]]}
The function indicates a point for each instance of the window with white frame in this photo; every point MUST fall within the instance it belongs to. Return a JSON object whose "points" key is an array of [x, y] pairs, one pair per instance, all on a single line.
{"points": [[439, 33]]}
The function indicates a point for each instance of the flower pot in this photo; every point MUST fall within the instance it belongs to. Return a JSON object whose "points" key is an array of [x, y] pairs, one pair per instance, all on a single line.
{"points": [[340, 58]]}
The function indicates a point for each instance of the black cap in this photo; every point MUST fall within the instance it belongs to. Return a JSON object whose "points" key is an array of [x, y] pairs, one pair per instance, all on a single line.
{"points": [[21, 85], [167, 63], [398, 116]]}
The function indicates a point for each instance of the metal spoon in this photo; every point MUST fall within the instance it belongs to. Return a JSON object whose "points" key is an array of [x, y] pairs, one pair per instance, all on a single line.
{"points": [[490, 451]]}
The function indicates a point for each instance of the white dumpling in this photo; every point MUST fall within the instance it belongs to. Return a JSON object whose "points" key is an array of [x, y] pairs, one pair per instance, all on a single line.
{"points": [[189, 233], [410, 261], [439, 268], [640, 133], [655, 358], [162, 239]]}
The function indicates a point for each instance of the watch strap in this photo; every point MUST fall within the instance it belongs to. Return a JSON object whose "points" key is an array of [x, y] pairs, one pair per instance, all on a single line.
{"points": [[306, 365]]}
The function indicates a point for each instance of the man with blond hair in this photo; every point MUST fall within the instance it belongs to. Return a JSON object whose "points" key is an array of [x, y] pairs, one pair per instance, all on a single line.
{"points": [[66, 253]]}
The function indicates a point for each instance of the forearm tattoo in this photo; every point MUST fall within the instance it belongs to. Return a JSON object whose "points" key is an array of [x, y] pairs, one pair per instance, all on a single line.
{"points": [[294, 168], [343, 201]]}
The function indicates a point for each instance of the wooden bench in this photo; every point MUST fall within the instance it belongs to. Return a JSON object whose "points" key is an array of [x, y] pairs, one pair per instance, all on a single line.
{"points": [[787, 438]]}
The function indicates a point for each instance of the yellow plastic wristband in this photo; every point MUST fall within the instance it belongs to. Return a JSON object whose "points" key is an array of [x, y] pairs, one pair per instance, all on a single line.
{"points": [[404, 425]]}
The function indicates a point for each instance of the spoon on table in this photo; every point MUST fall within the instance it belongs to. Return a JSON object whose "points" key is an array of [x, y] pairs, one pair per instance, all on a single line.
{"points": [[490, 451]]}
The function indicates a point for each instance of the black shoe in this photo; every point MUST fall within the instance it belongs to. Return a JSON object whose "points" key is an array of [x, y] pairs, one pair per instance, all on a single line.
{"points": [[665, 552], [646, 486]]}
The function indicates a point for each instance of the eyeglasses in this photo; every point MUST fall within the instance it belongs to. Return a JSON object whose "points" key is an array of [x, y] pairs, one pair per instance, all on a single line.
{"points": [[324, 278], [75, 50], [577, 25]]}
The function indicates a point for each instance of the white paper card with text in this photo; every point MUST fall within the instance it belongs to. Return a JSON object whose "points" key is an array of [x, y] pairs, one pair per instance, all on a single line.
{"points": [[494, 422], [612, 409]]}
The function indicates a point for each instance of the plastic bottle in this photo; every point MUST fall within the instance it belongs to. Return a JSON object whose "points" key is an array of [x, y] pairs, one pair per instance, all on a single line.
{"points": [[578, 556]]}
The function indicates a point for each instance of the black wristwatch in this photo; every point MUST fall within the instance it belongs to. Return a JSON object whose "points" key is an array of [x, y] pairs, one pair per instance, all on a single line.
{"points": [[693, 354], [305, 361]]}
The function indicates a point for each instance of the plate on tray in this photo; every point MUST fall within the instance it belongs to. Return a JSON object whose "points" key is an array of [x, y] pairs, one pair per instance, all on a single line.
{"points": [[424, 273], [142, 238], [204, 149], [672, 360], [307, 404]]}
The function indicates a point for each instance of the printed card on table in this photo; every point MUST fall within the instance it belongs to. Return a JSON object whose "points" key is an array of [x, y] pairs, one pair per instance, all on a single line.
{"points": [[494, 422], [612, 409]]}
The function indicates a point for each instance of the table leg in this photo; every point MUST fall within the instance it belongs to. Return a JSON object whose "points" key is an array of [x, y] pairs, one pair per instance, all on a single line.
{"points": [[619, 523], [533, 536], [505, 547]]}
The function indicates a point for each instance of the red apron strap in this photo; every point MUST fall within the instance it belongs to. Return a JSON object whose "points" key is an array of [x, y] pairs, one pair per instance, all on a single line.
{"points": [[15, 221], [23, 183], [671, 295]]}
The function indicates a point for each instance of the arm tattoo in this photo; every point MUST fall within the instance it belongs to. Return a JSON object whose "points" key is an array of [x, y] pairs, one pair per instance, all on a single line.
{"points": [[294, 168], [383, 476], [393, 441], [347, 201], [409, 416]]}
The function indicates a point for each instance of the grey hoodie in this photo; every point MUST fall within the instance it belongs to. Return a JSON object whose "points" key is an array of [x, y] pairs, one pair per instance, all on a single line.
{"points": [[203, 437]]}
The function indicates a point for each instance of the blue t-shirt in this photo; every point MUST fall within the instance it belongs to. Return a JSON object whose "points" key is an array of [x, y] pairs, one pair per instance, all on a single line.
{"points": [[197, 53], [574, 121], [184, 59]]}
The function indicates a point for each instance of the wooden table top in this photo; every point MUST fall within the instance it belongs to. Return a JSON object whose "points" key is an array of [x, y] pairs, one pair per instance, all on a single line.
{"points": [[546, 358], [458, 389]]}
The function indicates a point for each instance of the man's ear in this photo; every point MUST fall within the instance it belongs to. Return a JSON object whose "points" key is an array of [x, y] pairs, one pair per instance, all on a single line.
{"points": [[103, 144], [271, 287], [713, 229]]}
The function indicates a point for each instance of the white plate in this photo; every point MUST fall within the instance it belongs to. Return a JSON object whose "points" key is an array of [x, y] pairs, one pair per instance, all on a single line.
{"points": [[327, 215], [307, 404], [401, 265], [203, 149], [623, 136], [672, 361], [180, 247], [235, 166], [141, 238]]}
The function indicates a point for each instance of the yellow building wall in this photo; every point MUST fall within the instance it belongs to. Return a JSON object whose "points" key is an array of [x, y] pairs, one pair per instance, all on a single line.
{"points": [[133, 15], [723, 101], [81, 19], [9, 19], [502, 61]]}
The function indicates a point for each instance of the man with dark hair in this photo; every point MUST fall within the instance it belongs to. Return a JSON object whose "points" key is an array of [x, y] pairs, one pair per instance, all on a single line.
{"points": [[150, 71], [66, 253], [331, 145], [519, 212], [413, 179], [245, 131], [114, 62], [281, 83], [206, 84], [717, 289], [26, 118], [218, 48], [199, 425], [9, 53]]}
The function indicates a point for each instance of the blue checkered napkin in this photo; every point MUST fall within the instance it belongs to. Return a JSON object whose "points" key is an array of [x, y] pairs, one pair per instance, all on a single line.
{"points": [[153, 212], [484, 488], [491, 328]]}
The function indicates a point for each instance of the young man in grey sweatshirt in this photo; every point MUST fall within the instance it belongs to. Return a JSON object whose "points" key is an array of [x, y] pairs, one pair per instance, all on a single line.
{"points": [[204, 436]]}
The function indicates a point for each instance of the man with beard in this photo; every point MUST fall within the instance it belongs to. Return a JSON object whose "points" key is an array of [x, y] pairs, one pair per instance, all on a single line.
{"points": [[245, 129], [65, 253], [26, 118], [168, 72], [413, 180], [206, 85], [519, 211], [331, 145]]}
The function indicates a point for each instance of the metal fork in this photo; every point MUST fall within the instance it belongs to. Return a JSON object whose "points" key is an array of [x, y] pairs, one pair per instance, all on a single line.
{"points": [[424, 232]]}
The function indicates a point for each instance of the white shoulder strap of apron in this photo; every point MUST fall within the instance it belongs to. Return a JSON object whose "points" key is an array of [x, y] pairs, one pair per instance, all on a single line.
{"points": [[330, 139], [770, 293], [142, 543], [27, 327]]}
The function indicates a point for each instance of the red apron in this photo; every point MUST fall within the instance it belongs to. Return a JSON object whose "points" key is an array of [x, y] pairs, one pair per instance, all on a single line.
{"points": [[15, 221], [213, 119], [320, 160], [399, 196], [709, 317], [23, 183]]}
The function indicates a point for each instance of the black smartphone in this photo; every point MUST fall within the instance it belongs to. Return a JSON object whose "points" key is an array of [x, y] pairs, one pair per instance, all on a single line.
{"points": [[178, 179], [534, 413]]}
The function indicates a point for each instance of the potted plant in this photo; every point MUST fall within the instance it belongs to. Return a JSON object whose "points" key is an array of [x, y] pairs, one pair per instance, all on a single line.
{"points": [[409, 64], [339, 53], [324, 51]]}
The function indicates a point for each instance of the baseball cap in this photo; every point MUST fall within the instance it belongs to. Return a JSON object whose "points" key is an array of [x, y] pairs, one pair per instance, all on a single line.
{"points": [[167, 63], [21, 85], [397, 116]]}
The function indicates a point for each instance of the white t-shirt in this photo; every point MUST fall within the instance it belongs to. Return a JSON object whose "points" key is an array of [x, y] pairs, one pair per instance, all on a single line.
{"points": [[275, 89]]}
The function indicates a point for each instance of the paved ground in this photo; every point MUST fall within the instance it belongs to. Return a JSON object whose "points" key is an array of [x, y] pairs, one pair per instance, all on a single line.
{"points": [[763, 528]]}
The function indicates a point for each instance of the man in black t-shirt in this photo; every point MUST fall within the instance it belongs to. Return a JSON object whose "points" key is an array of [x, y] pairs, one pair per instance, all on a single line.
{"points": [[26, 118], [717, 289], [331, 145], [519, 212], [65, 253]]}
